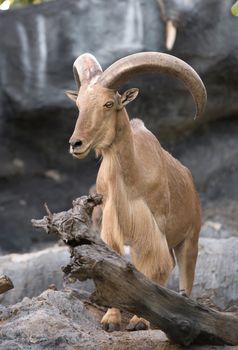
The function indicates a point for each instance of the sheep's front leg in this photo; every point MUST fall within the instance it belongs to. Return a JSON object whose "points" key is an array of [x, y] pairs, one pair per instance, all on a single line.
{"points": [[151, 256], [112, 236]]}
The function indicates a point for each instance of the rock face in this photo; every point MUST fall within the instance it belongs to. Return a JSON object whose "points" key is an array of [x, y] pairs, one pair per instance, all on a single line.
{"points": [[33, 273], [47, 38], [61, 320], [36, 119], [219, 281], [216, 274]]}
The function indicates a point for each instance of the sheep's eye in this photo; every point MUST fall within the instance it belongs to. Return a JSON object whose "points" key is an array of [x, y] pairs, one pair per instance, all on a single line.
{"points": [[109, 104]]}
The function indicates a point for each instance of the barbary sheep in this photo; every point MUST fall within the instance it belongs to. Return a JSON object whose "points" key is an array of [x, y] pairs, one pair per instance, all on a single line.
{"points": [[149, 198]]}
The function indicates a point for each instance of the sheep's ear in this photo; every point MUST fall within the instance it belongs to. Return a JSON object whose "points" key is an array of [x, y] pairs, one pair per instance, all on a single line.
{"points": [[72, 95], [128, 96]]}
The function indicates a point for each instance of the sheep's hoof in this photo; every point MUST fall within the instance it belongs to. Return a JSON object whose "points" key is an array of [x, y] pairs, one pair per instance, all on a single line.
{"points": [[137, 324], [111, 321], [111, 327]]}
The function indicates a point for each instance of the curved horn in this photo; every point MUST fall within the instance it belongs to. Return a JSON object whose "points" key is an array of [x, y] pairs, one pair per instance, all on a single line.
{"points": [[85, 68], [128, 67]]}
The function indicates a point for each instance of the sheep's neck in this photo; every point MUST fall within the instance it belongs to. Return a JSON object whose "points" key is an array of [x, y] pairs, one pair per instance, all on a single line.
{"points": [[120, 155]]}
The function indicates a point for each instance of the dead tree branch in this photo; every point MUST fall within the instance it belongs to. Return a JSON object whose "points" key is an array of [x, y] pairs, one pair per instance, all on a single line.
{"points": [[119, 284], [5, 284]]}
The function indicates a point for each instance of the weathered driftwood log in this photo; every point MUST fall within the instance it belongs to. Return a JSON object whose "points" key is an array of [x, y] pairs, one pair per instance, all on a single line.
{"points": [[74, 224], [5, 284], [119, 284]]}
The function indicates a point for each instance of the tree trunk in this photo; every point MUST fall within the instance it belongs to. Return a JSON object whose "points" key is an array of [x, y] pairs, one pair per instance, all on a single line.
{"points": [[120, 285]]}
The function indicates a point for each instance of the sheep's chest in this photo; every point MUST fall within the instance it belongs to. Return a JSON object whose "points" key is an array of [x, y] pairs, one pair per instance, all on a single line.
{"points": [[126, 213], [128, 217]]}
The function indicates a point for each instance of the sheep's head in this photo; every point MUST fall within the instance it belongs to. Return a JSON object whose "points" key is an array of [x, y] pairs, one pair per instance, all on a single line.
{"points": [[95, 126], [98, 107], [98, 99]]}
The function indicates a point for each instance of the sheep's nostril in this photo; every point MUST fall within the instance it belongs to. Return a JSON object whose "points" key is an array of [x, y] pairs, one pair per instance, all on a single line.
{"points": [[76, 144]]}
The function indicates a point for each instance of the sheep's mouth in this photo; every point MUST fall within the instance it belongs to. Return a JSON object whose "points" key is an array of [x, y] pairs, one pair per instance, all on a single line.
{"points": [[81, 154]]}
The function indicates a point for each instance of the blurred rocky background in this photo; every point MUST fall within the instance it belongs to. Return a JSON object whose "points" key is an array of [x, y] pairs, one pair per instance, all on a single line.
{"points": [[38, 45]]}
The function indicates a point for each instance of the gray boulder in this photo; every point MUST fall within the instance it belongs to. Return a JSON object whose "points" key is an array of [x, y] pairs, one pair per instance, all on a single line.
{"points": [[52, 320], [216, 273], [32, 273], [60, 320]]}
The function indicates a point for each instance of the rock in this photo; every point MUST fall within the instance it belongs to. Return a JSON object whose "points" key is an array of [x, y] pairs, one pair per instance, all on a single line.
{"points": [[36, 83], [32, 273], [61, 320], [36, 119], [53, 322], [216, 275], [212, 229]]}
